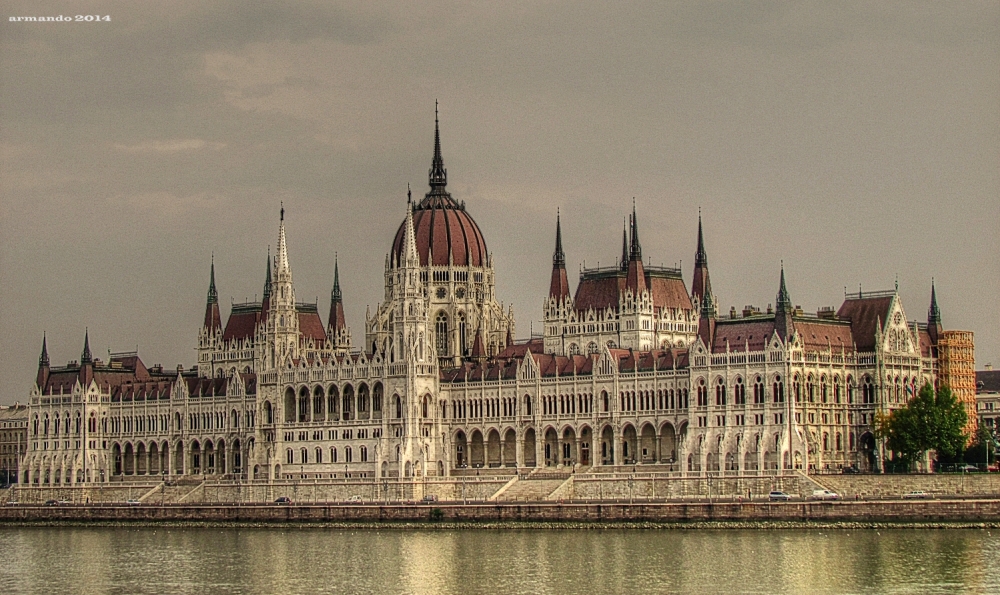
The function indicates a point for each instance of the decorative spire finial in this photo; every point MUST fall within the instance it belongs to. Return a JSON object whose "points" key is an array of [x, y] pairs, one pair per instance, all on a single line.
{"points": [[335, 295], [636, 249], [86, 357], [700, 256], [282, 210], [438, 175], [784, 301], [934, 313], [43, 360], [213, 295], [559, 257], [267, 278]]}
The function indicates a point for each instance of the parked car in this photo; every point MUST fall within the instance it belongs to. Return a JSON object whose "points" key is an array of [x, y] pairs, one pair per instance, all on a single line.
{"points": [[916, 495], [354, 498], [429, 498], [52, 503], [825, 495], [778, 496], [850, 470], [283, 500], [132, 502], [968, 468]]}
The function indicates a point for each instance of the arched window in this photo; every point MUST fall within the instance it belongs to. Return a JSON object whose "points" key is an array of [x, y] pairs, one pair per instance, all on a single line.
{"points": [[364, 454], [758, 391], [333, 454], [778, 390], [347, 454], [702, 393], [319, 455], [591, 348], [289, 456], [441, 334], [574, 349], [305, 456], [720, 392], [740, 391]]}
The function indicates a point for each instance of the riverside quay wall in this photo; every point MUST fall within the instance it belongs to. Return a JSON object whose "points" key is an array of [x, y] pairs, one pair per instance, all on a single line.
{"points": [[884, 511]]}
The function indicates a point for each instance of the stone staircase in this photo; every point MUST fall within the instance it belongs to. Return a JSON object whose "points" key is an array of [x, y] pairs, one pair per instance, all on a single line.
{"points": [[535, 487]]}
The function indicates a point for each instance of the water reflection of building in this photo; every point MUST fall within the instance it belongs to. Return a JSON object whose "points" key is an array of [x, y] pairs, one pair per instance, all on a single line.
{"points": [[631, 369]]}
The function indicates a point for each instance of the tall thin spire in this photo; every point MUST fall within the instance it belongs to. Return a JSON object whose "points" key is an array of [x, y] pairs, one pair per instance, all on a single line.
{"points": [[335, 295], [438, 175], [86, 357], [213, 295], [43, 360], [784, 301], [635, 252], [267, 277], [281, 265], [934, 312], [700, 256], [559, 257], [559, 284], [410, 257]]}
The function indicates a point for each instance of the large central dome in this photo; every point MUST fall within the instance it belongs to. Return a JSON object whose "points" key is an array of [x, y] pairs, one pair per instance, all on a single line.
{"points": [[444, 230]]}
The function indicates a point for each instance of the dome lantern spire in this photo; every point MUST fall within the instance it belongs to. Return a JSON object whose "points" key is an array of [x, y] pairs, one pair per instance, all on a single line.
{"points": [[438, 175]]}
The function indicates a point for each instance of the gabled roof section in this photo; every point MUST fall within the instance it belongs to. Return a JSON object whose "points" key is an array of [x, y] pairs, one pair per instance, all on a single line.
{"points": [[865, 314]]}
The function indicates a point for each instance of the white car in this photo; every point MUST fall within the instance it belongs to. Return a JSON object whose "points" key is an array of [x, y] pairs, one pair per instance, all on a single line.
{"points": [[825, 495]]}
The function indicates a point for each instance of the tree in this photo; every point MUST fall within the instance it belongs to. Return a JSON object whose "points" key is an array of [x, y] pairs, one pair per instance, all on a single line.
{"points": [[932, 420]]}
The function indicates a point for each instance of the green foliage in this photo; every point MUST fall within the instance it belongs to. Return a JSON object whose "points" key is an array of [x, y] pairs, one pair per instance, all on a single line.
{"points": [[930, 421]]}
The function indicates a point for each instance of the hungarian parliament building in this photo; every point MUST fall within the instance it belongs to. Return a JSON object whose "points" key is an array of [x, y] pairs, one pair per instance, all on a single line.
{"points": [[632, 369]]}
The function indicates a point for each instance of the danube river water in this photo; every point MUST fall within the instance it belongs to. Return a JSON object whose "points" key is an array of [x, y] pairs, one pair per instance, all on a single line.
{"points": [[562, 561]]}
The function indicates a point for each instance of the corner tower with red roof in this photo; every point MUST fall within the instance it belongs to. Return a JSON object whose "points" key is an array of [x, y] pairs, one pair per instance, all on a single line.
{"points": [[629, 306]]}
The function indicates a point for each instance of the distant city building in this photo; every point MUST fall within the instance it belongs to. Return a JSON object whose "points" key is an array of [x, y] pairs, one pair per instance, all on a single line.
{"points": [[631, 369], [13, 441], [957, 371], [988, 398]]}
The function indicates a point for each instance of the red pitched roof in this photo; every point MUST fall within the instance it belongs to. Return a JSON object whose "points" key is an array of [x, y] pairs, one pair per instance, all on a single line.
{"points": [[864, 315], [310, 326]]}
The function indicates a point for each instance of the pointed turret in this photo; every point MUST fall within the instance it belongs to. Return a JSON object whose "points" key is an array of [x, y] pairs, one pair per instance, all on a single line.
{"points": [[43, 366], [86, 361], [635, 248], [213, 319], [934, 328], [437, 175], [281, 259], [337, 321], [559, 285], [410, 256], [700, 283], [635, 278], [478, 351], [783, 309]]}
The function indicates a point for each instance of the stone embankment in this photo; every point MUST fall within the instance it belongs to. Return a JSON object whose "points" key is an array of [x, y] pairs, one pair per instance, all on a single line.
{"points": [[973, 511]]}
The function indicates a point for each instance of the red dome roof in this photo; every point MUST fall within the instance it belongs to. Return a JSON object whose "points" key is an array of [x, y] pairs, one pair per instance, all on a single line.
{"points": [[442, 226]]}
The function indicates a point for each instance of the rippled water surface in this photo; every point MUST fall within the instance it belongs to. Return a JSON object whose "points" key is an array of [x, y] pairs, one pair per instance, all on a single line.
{"points": [[313, 560]]}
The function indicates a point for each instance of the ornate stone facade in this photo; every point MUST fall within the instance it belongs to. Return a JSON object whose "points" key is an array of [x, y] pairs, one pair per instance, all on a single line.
{"points": [[633, 369]]}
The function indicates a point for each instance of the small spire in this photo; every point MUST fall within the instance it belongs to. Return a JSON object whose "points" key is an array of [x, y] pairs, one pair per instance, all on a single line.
{"points": [[438, 175], [281, 264], [335, 295], [700, 256], [86, 357], [559, 257], [934, 312], [213, 295], [43, 360], [282, 210], [267, 278], [783, 299], [635, 251]]}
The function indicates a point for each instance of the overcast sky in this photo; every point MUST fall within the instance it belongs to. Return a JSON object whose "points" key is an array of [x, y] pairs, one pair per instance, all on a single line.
{"points": [[857, 142]]}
